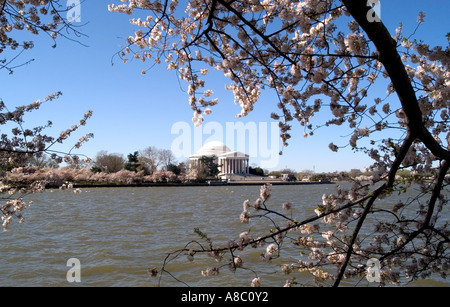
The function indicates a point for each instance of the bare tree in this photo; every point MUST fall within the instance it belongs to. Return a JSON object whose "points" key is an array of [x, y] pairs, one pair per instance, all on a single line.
{"points": [[150, 158], [166, 157], [109, 163], [153, 158], [43, 161]]}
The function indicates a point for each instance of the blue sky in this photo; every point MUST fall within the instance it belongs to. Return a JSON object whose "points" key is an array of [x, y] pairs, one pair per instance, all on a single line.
{"points": [[133, 111]]}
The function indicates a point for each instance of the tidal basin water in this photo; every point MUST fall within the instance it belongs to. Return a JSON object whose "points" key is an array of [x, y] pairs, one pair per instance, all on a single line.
{"points": [[117, 234]]}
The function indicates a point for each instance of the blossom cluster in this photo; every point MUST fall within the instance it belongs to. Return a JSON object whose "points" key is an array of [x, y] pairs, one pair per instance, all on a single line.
{"points": [[13, 208], [265, 191]]}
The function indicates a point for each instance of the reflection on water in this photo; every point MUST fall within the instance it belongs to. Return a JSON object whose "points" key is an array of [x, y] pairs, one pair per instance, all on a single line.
{"points": [[118, 233]]}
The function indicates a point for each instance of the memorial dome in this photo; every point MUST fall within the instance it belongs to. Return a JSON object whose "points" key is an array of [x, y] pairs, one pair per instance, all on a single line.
{"points": [[214, 148]]}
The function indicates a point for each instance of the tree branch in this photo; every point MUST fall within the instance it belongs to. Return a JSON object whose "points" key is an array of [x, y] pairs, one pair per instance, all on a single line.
{"points": [[389, 56], [391, 178]]}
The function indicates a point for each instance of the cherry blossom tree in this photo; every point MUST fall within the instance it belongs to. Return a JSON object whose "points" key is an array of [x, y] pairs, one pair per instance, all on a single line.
{"points": [[322, 57], [18, 143]]}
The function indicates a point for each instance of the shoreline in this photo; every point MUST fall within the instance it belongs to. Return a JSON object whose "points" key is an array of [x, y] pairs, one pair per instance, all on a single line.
{"points": [[193, 184]]}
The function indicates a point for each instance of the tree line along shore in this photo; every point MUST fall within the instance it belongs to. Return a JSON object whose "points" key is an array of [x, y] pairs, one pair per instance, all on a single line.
{"points": [[87, 177], [154, 167]]}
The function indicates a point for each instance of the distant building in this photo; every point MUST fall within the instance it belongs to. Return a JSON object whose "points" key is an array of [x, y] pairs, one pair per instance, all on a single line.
{"points": [[288, 177], [229, 162]]}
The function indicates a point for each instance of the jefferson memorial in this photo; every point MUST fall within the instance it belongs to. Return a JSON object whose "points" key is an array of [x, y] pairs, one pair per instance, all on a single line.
{"points": [[229, 162]]}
